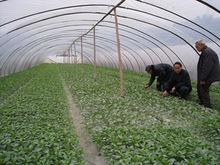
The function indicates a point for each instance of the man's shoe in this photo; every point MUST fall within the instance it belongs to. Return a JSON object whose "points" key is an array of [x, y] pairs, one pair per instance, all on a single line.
{"points": [[208, 106]]}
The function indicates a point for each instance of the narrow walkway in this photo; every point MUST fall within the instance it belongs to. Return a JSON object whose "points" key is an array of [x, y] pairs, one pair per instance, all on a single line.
{"points": [[92, 156]]}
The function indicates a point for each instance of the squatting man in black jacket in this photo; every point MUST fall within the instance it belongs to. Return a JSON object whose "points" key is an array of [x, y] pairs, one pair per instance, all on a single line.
{"points": [[162, 72], [179, 83], [208, 71]]}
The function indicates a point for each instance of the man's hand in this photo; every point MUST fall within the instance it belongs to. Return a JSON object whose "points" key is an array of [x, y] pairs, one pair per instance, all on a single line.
{"points": [[173, 90], [165, 93], [202, 83], [146, 86]]}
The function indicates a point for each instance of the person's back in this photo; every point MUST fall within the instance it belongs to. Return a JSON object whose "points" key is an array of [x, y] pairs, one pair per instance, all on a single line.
{"points": [[208, 66], [162, 72]]}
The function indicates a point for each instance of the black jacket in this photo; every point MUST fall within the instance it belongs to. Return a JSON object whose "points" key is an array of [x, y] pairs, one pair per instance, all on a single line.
{"points": [[162, 71], [208, 66], [178, 80]]}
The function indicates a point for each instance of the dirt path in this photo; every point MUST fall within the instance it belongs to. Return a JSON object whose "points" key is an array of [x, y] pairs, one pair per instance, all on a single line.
{"points": [[92, 156]]}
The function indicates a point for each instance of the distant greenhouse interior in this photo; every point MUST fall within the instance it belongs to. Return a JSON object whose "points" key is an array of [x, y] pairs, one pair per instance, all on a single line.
{"points": [[150, 32]]}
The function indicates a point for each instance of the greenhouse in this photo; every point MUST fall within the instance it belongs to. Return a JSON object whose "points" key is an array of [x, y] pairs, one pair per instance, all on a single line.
{"points": [[84, 82]]}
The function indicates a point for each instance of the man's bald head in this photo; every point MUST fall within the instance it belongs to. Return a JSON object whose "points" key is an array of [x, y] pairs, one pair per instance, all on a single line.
{"points": [[200, 44]]}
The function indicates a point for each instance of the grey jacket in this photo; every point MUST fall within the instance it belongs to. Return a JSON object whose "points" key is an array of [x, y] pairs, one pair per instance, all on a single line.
{"points": [[208, 66]]}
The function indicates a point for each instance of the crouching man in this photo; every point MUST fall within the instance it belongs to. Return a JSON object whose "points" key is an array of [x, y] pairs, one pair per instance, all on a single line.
{"points": [[162, 72], [179, 83]]}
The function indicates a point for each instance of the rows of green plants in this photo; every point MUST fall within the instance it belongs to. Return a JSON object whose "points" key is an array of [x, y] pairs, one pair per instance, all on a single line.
{"points": [[35, 127], [143, 127], [10, 84]]}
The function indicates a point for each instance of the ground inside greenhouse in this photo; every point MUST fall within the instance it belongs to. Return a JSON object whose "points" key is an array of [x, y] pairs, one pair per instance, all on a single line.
{"points": [[57, 114], [92, 155]]}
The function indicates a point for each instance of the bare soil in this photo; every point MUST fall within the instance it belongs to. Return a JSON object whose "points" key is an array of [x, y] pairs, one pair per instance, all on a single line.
{"points": [[91, 154]]}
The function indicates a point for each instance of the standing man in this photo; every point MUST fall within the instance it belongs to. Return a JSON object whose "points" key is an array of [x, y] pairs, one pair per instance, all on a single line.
{"points": [[208, 71], [162, 72], [179, 83]]}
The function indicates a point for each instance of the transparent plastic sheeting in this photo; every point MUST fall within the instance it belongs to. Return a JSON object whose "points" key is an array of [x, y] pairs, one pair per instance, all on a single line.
{"points": [[151, 32]]}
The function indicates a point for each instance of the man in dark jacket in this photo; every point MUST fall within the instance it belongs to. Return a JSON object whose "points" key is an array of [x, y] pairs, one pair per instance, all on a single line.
{"points": [[208, 71], [162, 72], [179, 83]]}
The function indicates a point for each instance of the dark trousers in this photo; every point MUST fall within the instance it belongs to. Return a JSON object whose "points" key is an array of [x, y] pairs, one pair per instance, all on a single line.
{"points": [[182, 92], [162, 80], [160, 85], [203, 94]]}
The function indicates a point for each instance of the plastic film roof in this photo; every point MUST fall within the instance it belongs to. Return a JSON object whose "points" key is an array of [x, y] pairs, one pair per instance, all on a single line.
{"points": [[151, 31]]}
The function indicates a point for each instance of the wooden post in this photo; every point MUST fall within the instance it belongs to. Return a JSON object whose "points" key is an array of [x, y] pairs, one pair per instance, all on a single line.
{"points": [[75, 55], [94, 63], [120, 64], [68, 55], [71, 52], [81, 50]]}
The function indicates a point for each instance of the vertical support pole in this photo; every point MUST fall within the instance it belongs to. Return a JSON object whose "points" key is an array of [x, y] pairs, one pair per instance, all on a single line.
{"points": [[81, 50], [94, 63], [75, 54], [65, 57], [120, 65], [71, 49], [68, 55]]}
